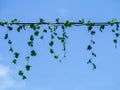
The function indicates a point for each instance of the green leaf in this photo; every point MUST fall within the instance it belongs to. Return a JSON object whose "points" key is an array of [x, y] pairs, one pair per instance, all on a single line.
{"points": [[11, 49], [9, 42], [102, 27], [42, 21], [63, 27], [14, 21], [24, 77], [67, 24], [31, 37], [10, 28], [117, 26], [51, 51], [33, 53], [113, 30], [89, 61], [94, 66], [20, 73], [115, 40], [36, 33], [19, 28], [93, 32], [62, 39], [27, 58], [28, 67], [16, 55], [41, 37], [94, 54], [90, 27], [81, 21], [14, 61], [88, 23], [3, 23], [117, 34], [32, 26], [93, 42], [89, 47], [113, 21], [45, 31], [55, 56], [30, 43], [57, 20], [37, 27], [6, 36], [52, 36], [51, 43]]}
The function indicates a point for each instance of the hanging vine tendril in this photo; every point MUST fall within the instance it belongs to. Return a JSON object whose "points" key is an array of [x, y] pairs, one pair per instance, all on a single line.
{"points": [[54, 35]]}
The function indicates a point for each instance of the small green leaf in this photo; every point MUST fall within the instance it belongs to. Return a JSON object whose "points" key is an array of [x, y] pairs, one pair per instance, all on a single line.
{"points": [[6, 36], [102, 27], [10, 28], [32, 26], [30, 43], [117, 34], [51, 43], [93, 32], [113, 21], [67, 24], [89, 47], [33, 53], [14, 21], [52, 36], [19, 28], [31, 37], [113, 30], [14, 61], [63, 27], [11, 49], [93, 42], [28, 67], [88, 23], [41, 37], [57, 20], [117, 26], [42, 21], [89, 61], [51, 51], [16, 55], [24, 77], [94, 66], [20, 73], [9, 42], [90, 27], [115, 40], [55, 34], [27, 58], [94, 54], [36, 33], [37, 27], [81, 21], [45, 31], [55, 56]]}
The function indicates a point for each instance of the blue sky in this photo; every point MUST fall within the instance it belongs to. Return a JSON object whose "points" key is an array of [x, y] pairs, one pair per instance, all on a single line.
{"points": [[72, 73]]}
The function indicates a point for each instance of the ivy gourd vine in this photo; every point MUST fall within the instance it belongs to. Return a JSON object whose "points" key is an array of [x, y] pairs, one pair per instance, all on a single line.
{"points": [[55, 35]]}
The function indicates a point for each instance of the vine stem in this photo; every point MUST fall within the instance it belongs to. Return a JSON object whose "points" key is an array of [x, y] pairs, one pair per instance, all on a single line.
{"points": [[72, 23]]}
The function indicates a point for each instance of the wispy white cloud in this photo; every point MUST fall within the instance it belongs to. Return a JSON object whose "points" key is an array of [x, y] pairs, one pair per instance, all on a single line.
{"points": [[7, 80]]}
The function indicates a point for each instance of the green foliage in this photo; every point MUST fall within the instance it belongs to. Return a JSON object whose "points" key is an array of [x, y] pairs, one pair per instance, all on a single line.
{"points": [[55, 35], [28, 67], [16, 55], [33, 53]]}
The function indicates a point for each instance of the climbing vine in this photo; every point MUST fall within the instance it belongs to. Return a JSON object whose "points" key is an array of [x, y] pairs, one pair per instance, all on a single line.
{"points": [[51, 29]]}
